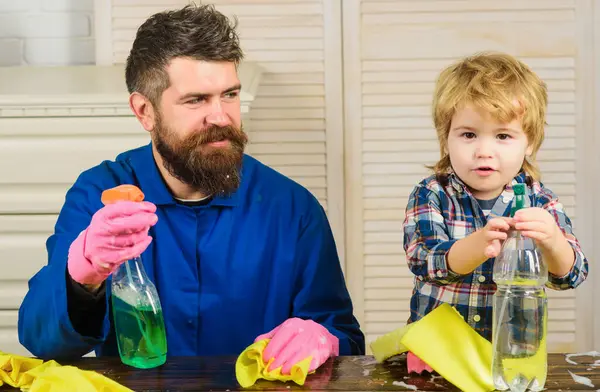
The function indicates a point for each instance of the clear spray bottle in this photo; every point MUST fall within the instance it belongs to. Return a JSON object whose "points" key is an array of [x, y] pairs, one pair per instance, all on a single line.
{"points": [[137, 313], [520, 311]]}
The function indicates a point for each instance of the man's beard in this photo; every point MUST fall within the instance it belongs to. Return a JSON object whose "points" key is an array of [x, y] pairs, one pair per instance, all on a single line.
{"points": [[210, 170]]}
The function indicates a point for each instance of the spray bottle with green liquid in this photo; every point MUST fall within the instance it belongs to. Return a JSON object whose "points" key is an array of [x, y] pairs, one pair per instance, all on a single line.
{"points": [[520, 311], [137, 312]]}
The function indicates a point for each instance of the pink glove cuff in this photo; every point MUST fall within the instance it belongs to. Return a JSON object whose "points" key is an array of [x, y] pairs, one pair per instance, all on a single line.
{"points": [[80, 267]]}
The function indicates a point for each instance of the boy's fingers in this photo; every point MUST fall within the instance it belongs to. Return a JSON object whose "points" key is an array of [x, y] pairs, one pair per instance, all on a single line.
{"points": [[496, 235], [493, 249], [498, 224]]}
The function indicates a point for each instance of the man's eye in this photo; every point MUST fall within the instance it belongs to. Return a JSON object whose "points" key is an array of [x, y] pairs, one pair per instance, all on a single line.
{"points": [[195, 101]]}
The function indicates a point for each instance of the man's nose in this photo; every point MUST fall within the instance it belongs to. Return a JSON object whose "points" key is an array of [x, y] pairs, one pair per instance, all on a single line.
{"points": [[217, 115]]}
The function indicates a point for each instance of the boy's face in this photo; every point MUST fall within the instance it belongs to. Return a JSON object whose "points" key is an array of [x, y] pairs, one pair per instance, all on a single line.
{"points": [[484, 153]]}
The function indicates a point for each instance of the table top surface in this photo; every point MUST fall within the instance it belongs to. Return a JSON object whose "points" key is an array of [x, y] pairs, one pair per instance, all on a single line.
{"points": [[350, 373]]}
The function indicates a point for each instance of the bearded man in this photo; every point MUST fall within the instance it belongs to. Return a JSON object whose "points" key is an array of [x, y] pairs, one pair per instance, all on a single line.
{"points": [[237, 251]]}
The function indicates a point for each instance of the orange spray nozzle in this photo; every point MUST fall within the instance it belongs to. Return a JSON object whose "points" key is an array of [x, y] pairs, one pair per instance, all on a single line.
{"points": [[126, 192]]}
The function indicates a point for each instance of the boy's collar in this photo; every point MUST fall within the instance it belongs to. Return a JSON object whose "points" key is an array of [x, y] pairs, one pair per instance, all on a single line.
{"points": [[459, 186]]}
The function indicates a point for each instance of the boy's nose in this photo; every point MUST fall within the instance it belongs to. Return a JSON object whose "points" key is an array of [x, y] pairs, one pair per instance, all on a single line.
{"points": [[484, 150]]}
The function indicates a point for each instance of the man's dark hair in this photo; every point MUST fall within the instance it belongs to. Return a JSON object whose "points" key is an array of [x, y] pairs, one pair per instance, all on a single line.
{"points": [[198, 32]]}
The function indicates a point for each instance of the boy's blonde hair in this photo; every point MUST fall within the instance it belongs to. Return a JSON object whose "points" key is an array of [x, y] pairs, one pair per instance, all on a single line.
{"points": [[491, 82]]}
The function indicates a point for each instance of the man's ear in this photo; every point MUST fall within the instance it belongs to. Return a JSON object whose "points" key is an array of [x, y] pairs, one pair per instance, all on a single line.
{"points": [[144, 110]]}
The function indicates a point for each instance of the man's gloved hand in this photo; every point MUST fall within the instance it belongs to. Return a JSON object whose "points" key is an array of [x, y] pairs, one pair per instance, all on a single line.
{"points": [[296, 339], [117, 232], [415, 364]]}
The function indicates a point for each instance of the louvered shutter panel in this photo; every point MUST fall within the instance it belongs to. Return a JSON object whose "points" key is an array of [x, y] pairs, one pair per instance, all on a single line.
{"points": [[398, 139]]}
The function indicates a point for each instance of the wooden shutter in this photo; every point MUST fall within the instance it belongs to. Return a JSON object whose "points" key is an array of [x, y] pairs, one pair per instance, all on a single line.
{"points": [[389, 85]]}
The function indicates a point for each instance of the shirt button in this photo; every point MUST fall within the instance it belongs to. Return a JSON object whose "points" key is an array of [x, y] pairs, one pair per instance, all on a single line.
{"points": [[190, 321], [439, 274], [476, 318], [481, 278]]}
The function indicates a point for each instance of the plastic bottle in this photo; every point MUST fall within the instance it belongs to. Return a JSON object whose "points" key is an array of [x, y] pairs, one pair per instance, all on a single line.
{"points": [[520, 311], [138, 317], [137, 313]]}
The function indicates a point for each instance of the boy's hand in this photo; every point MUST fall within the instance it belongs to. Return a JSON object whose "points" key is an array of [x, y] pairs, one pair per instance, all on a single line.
{"points": [[493, 233], [538, 224], [468, 253]]}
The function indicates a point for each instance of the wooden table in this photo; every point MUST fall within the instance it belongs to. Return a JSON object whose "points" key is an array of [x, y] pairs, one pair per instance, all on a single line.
{"points": [[342, 374]]}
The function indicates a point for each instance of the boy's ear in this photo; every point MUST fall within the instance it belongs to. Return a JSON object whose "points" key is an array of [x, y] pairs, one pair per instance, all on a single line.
{"points": [[444, 148], [529, 150]]}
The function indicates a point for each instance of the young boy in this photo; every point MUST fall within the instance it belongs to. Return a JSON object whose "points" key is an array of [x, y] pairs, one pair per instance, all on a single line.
{"points": [[489, 113]]}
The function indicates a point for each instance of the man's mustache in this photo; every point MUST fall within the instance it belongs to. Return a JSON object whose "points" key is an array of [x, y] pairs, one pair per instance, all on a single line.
{"points": [[216, 134]]}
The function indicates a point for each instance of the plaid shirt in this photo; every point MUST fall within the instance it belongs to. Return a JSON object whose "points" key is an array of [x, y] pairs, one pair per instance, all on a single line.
{"points": [[437, 215]]}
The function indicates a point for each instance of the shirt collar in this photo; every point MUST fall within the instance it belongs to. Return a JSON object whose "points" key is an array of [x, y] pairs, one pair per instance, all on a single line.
{"points": [[154, 187], [459, 186], [503, 202], [507, 195]]}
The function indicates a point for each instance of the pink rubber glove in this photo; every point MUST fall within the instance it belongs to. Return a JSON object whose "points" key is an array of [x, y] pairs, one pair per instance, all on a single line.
{"points": [[415, 364], [117, 232], [297, 339]]}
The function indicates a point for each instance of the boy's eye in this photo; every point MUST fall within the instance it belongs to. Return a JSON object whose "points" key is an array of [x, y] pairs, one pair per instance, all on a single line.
{"points": [[503, 136], [468, 135]]}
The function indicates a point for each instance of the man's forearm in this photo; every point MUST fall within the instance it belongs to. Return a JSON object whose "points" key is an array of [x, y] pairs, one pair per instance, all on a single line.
{"points": [[86, 308], [92, 288]]}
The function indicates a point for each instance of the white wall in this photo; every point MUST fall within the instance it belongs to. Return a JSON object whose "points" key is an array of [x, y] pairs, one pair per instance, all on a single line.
{"points": [[46, 32]]}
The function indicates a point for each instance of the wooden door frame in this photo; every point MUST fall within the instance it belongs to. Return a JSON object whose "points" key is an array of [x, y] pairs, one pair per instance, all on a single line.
{"points": [[587, 307]]}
